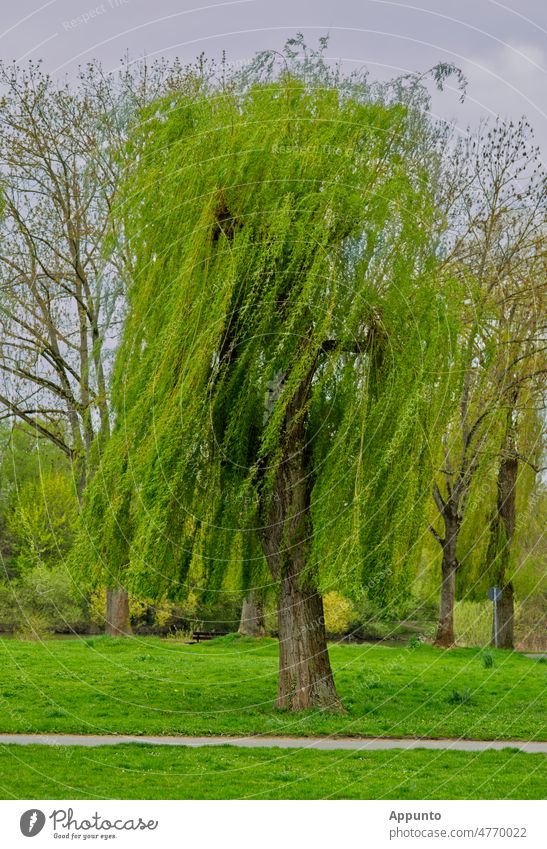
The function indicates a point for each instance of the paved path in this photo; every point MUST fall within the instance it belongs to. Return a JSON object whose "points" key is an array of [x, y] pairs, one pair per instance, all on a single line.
{"points": [[326, 743]]}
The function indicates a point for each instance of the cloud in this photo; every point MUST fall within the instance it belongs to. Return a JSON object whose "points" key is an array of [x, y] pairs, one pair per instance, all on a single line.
{"points": [[509, 81]]}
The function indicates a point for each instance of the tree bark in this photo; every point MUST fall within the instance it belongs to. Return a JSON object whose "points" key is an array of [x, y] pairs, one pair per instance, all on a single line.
{"points": [[506, 616], [305, 675], [502, 532], [445, 627], [449, 567], [252, 616], [117, 613]]}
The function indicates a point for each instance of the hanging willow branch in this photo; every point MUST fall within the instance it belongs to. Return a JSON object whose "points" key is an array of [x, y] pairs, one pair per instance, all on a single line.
{"points": [[286, 283]]}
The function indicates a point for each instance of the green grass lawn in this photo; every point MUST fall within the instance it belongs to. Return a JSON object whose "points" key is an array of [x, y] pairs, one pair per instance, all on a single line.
{"points": [[228, 686], [167, 772]]}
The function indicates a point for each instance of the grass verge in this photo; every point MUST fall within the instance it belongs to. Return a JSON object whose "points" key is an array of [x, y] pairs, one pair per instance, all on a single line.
{"points": [[166, 772]]}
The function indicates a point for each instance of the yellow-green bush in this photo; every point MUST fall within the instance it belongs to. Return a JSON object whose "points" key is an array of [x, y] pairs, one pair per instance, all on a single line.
{"points": [[339, 613]]}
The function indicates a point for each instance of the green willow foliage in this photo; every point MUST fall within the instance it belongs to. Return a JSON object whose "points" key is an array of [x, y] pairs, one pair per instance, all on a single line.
{"points": [[280, 232]]}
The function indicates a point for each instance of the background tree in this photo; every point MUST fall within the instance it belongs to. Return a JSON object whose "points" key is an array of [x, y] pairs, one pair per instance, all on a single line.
{"points": [[521, 374], [496, 205], [63, 265], [252, 623], [61, 289], [60, 292]]}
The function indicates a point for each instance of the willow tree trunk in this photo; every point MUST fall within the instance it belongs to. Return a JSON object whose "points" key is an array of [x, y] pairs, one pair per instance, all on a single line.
{"points": [[305, 675], [505, 616], [444, 637], [449, 567], [117, 613], [252, 616], [502, 532]]}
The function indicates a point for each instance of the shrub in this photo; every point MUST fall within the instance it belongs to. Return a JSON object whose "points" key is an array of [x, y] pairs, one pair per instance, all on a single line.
{"points": [[339, 613], [33, 626], [41, 601], [41, 520]]}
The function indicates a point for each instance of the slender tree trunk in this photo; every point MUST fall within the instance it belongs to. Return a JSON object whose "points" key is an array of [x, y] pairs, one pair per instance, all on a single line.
{"points": [[117, 613], [445, 626], [305, 675], [506, 617], [502, 532], [449, 567], [252, 616]]}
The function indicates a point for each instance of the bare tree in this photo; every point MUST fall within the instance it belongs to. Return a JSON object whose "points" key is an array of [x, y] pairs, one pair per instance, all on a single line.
{"points": [[521, 371], [496, 201], [64, 269]]}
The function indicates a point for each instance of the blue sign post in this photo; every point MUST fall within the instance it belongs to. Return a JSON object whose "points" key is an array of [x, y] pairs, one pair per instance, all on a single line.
{"points": [[494, 594]]}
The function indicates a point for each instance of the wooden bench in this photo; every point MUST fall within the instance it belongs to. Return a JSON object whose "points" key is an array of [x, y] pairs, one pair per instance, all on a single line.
{"points": [[200, 636]]}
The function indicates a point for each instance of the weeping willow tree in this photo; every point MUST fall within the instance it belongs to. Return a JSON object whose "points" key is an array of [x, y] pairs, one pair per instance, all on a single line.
{"points": [[284, 356]]}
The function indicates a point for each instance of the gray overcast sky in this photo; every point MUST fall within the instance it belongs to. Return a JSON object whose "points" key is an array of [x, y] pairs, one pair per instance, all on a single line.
{"points": [[501, 47]]}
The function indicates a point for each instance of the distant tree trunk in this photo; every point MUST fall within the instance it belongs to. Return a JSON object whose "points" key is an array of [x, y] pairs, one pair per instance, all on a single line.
{"points": [[449, 567], [506, 616], [252, 616], [445, 626], [117, 613], [502, 532], [305, 675]]}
